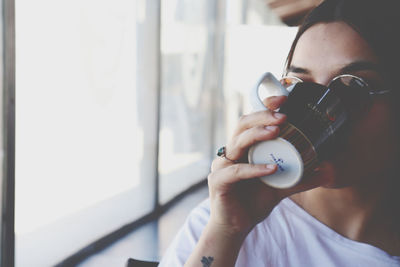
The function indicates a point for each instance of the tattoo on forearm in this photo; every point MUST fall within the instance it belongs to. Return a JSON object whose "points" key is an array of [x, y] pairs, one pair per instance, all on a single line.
{"points": [[207, 261]]}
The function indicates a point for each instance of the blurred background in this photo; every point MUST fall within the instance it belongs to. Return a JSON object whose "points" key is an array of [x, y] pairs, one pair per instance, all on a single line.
{"points": [[120, 108]]}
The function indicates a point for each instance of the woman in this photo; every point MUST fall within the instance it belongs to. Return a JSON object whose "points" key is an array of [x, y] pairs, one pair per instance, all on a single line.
{"points": [[346, 213]]}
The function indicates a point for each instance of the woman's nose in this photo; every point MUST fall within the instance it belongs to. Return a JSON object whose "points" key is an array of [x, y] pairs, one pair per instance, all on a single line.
{"points": [[324, 78]]}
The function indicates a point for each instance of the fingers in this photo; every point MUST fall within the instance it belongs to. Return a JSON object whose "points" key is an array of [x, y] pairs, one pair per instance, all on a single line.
{"points": [[238, 172], [252, 128], [274, 102], [240, 144], [263, 118]]}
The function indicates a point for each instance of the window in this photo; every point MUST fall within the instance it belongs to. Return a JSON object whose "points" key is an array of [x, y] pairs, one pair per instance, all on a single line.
{"points": [[188, 85], [121, 106], [86, 123]]}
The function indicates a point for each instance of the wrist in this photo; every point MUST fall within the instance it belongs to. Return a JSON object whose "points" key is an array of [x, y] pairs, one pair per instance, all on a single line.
{"points": [[217, 245], [235, 235]]}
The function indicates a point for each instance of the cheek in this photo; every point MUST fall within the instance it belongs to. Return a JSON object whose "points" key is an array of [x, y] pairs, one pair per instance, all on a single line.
{"points": [[378, 132], [375, 138], [371, 149]]}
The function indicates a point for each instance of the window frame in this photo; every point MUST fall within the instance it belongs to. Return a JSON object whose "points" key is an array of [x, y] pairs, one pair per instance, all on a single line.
{"points": [[8, 129], [8, 132]]}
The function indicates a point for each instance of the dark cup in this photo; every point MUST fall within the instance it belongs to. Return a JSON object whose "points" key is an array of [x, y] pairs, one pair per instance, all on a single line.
{"points": [[318, 123]]}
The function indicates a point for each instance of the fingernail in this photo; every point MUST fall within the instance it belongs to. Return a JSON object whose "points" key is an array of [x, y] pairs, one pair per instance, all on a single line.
{"points": [[270, 166], [279, 115], [270, 128]]}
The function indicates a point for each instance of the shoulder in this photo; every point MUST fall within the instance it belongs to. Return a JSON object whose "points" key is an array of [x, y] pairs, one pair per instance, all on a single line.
{"points": [[196, 221], [201, 212], [267, 236], [277, 224], [188, 235]]}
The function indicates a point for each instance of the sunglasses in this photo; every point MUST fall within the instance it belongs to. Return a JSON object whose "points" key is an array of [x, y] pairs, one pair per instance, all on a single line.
{"points": [[341, 81]]}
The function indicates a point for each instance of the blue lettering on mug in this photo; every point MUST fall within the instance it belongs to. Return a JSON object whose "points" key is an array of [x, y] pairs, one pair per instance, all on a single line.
{"points": [[278, 162]]}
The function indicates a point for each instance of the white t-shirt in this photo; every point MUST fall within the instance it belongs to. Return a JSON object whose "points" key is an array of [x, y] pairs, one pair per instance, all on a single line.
{"points": [[289, 236]]}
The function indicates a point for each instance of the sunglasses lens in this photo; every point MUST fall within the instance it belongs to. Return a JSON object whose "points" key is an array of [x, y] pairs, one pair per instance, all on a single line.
{"points": [[349, 86], [352, 81], [290, 82], [353, 91], [349, 82]]}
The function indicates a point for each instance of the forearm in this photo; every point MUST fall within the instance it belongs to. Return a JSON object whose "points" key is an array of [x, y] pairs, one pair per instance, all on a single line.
{"points": [[216, 248]]}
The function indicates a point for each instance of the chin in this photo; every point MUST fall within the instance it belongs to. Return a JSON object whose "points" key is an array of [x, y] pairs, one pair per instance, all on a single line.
{"points": [[339, 174], [334, 176]]}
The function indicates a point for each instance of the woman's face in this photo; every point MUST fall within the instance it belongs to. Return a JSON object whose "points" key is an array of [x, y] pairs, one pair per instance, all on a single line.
{"points": [[323, 52]]}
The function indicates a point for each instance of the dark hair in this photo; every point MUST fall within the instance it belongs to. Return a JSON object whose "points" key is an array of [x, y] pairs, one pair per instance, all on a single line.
{"points": [[377, 21]]}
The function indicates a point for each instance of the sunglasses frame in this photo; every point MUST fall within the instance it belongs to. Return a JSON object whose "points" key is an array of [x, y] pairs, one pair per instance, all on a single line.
{"points": [[371, 92]]}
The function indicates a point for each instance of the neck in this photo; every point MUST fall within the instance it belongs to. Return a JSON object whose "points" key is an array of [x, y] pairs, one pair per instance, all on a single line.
{"points": [[360, 214]]}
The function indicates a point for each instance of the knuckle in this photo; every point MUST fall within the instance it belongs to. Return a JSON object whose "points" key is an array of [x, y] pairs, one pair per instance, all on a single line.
{"points": [[259, 133], [218, 164], [210, 178], [267, 116], [249, 139], [234, 149], [231, 144], [259, 129], [214, 165], [240, 142], [235, 169], [272, 129], [251, 136], [243, 119], [268, 112]]}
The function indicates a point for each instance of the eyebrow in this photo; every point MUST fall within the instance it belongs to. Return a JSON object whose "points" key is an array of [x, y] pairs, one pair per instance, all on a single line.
{"points": [[352, 67], [360, 66], [295, 69]]}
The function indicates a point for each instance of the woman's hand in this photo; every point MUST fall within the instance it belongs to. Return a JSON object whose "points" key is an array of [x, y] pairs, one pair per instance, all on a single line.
{"points": [[238, 200]]}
